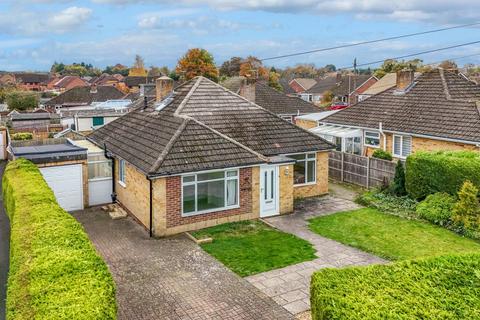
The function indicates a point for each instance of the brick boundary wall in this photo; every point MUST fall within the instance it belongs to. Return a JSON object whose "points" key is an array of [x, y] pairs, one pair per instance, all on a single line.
{"points": [[174, 202]]}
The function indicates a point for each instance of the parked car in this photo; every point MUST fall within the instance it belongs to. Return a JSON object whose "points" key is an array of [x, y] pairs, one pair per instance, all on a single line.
{"points": [[338, 105]]}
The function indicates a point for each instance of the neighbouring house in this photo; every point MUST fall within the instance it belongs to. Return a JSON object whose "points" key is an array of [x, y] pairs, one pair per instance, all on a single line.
{"points": [[350, 86], [33, 121], [286, 89], [312, 120], [388, 81], [106, 79], [67, 83], [438, 110], [7, 79], [83, 96], [300, 85], [201, 155], [75, 169], [85, 121], [315, 93], [259, 92], [32, 81], [133, 82]]}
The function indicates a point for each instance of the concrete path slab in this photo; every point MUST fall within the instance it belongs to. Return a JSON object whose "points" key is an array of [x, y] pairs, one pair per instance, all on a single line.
{"points": [[172, 278], [290, 286]]}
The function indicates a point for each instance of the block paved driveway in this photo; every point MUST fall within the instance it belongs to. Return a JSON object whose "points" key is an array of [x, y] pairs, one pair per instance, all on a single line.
{"points": [[171, 278], [290, 286]]}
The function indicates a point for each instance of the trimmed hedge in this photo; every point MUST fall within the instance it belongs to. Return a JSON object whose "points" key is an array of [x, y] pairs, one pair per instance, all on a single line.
{"points": [[381, 154], [446, 287], [437, 208], [55, 272], [22, 136], [431, 172]]}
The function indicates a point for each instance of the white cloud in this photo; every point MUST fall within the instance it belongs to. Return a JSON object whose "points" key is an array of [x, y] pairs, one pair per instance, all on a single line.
{"points": [[32, 23]]}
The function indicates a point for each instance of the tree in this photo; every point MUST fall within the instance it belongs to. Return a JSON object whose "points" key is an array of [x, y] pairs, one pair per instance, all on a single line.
{"points": [[273, 81], [253, 67], [327, 97], [466, 211], [57, 67], [197, 62], [231, 68], [392, 65], [398, 185], [448, 64], [158, 72], [21, 100], [139, 62]]}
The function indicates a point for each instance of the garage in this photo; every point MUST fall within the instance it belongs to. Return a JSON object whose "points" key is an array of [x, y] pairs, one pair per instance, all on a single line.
{"points": [[67, 185]]}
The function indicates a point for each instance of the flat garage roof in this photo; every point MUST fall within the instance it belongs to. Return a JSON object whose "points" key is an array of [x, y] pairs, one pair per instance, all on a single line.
{"points": [[55, 151]]}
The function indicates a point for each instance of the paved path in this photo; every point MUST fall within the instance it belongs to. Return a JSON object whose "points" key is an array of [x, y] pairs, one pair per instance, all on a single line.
{"points": [[172, 278], [290, 286], [4, 248]]}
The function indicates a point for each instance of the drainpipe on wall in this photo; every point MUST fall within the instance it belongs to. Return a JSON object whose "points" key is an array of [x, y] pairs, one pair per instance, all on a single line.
{"points": [[380, 129], [151, 207], [109, 156]]}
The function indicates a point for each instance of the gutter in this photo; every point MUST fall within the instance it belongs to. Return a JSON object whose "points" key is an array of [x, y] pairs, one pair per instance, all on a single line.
{"points": [[150, 228], [110, 157]]}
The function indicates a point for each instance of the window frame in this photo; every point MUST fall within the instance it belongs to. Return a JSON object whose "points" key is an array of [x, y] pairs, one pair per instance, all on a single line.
{"points": [[307, 159], [122, 176], [401, 156], [365, 139], [195, 182], [98, 118], [106, 160]]}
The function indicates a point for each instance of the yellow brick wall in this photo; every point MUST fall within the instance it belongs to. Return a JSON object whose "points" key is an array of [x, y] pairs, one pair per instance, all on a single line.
{"points": [[84, 174], [286, 189], [256, 191], [135, 195], [321, 186], [306, 124], [159, 206]]}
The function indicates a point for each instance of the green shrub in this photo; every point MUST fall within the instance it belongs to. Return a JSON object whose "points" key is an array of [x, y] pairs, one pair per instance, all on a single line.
{"points": [[397, 187], [55, 272], [381, 154], [437, 208], [388, 203], [431, 172], [445, 287], [21, 100], [22, 136], [466, 212]]}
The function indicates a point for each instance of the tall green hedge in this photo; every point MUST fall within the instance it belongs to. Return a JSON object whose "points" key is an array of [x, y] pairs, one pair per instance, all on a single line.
{"points": [[55, 272], [446, 287], [431, 172]]}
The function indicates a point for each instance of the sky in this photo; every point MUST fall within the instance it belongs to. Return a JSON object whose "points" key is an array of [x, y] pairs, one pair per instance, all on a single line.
{"points": [[35, 33]]}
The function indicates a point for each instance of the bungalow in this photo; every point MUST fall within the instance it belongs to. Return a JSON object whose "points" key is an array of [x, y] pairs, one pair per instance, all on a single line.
{"points": [[32, 81], [133, 82], [201, 155], [284, 106], [439, 110], [68, 82], [300, 85]]}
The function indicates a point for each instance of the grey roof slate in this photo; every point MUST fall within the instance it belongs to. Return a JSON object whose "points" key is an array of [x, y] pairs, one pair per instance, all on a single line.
{"points": [[204, 127], [440, 104], [85, 96]]}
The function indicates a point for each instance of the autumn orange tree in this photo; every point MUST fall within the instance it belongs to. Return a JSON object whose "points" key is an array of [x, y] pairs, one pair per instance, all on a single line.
{"points": [[252, 65], [197, 62]]}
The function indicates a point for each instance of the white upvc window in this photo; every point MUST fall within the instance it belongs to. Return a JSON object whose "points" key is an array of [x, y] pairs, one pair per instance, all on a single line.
{"points": [[99, 167], [305, 168], [210, 191], [122, 173], [402, 146], [372, 139]]}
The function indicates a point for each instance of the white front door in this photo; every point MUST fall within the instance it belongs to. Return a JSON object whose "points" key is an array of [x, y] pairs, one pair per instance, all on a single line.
{"points": [[269, 191]]}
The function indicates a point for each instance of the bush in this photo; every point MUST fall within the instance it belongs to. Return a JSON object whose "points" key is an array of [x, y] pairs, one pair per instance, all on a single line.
{"points": [[381, 154], [445, 287], [397, 187], [466, 211], [437, 208], [21, 100], [22, 136], [388, 203], [431, 172], [55, 272]]}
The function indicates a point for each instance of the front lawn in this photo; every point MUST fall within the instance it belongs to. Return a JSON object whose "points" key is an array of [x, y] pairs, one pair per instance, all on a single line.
{"points": [[389, 236], [250, 247]]}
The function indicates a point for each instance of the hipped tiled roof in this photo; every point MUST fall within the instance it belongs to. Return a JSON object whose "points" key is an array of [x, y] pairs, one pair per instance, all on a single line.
{"points": [[85, 95], [440, 104], [204, 127]]}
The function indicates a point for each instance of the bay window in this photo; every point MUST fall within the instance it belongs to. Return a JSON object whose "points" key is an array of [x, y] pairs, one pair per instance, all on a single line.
{"points": [[209, 191], [372, 139], [304, 169], [402, 146]]}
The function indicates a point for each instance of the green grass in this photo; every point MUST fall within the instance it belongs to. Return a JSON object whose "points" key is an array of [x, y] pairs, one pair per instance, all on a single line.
{"points": [[391, 237], [250, 247]]}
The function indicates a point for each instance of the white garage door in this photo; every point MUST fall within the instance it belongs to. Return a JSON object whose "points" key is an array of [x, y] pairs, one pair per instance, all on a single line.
{"points": [[66, 183]]}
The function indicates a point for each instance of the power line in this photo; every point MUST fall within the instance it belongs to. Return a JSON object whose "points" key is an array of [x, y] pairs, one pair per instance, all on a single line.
{"points": [[370, 41], [455, 58], [411, 55]]}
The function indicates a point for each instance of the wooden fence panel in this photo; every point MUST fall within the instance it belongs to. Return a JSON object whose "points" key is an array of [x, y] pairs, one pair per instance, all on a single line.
{"points": [[359, 170]]}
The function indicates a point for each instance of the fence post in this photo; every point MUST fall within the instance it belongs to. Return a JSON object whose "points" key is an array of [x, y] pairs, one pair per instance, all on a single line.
{"points": [[368, 172], [341, 172]]}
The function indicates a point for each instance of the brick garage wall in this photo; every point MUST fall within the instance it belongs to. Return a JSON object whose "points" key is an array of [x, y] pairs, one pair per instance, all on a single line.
{"points": [[321, 186], [306, 124], [175, 223]]}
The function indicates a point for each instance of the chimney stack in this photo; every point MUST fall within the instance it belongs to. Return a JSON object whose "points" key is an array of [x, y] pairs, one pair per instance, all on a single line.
{"points": [[247, 90], [93, 88], [404, 79], [163, 88]]}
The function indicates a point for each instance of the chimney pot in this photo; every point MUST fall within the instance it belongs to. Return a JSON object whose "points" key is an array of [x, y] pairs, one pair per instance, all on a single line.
{"points": [[404, 79], [163, 88]]}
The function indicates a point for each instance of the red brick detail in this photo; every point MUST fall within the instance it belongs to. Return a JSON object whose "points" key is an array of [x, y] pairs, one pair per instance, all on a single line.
{"points": [[296, 87], [174, 201]]}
